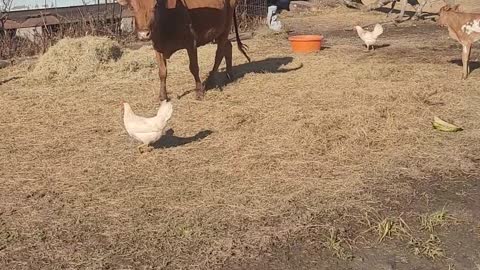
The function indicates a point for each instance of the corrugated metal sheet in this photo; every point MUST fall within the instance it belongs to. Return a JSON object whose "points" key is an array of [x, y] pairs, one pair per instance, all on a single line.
{"points": [[33, 18]]}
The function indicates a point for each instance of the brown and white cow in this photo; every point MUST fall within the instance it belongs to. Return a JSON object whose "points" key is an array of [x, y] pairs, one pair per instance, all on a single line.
{"points": [[173, 25], [463, 27]]}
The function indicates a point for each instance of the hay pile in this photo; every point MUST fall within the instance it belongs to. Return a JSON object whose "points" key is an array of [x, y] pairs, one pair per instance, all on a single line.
{"points": [[136, 60], [88, 57], [73, 58]]}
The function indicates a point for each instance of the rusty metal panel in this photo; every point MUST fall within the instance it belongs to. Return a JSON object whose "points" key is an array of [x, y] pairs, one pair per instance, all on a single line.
{"points": [[50, 16]]}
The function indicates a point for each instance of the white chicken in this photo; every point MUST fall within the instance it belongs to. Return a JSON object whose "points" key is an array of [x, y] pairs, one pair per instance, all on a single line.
{"points": [[147, 130], [370, 38]]}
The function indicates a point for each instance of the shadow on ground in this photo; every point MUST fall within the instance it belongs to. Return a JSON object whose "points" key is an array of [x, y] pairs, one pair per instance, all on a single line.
{"points": [[169, 140], [268, 65], [473, 64]]}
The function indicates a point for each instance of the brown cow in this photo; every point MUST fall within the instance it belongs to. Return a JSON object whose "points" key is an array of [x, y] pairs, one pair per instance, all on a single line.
{"points": [[463, 27], [173, 25]]}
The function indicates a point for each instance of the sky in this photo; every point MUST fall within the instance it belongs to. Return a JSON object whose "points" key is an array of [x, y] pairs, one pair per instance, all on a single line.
{"points": [[59, 3]]}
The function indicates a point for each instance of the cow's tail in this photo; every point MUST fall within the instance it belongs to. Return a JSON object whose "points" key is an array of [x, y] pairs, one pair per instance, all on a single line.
{"points": [[242, 47]]}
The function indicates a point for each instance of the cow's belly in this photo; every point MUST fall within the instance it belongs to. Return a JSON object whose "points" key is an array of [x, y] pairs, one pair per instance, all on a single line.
{"points": [[171, 31], [209, 24]]}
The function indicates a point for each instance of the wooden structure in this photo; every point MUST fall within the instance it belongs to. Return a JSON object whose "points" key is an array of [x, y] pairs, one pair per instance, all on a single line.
{"points": [[29, 23]]}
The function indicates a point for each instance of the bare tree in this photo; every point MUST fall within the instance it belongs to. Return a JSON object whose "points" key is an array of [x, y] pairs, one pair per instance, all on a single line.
{"points": [[5, 6]]}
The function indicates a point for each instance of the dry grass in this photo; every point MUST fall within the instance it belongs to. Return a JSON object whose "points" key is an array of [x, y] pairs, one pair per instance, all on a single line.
{"points": [[85, 58], [392, 227], [335, 244], [137, 60], [397, 228], [340, 130], [430, 221], [76, 58], [384, 227], [430, 248]]}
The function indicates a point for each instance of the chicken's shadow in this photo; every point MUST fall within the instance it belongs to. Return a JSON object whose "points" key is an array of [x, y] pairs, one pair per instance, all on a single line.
{"points": [[380, 46], [473, 64], [375, 47], [169, 140]]}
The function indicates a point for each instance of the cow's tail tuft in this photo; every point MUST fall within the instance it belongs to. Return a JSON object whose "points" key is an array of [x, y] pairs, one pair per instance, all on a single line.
{"points": [[242, 47]]}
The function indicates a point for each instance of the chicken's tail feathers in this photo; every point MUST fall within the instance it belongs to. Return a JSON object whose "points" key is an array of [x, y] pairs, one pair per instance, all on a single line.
{"points": [[126, 108], [166, 109], [378, 30]]}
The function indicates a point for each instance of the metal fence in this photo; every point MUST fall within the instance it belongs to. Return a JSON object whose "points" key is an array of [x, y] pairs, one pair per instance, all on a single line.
{"points": [[252, 8], [251, 13]]}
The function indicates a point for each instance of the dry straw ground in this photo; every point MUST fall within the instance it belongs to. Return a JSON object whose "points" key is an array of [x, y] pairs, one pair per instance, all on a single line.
{"points": [[294, 142]]}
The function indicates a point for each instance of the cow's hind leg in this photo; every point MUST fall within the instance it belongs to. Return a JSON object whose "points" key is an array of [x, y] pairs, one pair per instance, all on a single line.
{"points": [[162, 74], [224, 50], [228, 59], [219, 53], [465, 60], [195, 70]]}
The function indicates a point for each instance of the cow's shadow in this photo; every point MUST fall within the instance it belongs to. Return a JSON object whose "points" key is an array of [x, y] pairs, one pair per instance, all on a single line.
{"points": [[473, 64], [269, 65], [169, 140]]}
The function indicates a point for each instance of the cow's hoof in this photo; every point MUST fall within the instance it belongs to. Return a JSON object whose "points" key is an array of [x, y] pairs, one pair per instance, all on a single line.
{"points": [[416, 17], [200, 95], [399, 19]]}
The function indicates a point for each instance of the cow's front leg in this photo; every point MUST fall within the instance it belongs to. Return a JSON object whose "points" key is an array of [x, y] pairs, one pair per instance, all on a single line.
{"points": [[392, 8], [419, 10], [195, 70], [465, 59], [162, 74]]}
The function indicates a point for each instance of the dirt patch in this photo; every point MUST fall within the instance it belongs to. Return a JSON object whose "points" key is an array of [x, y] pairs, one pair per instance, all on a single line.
{"points": [[274, 170]]}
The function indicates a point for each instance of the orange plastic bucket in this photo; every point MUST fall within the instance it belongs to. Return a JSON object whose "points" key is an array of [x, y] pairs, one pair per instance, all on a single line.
{"points": [[306, 43]]}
